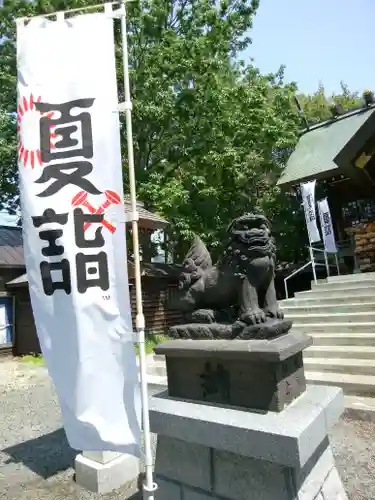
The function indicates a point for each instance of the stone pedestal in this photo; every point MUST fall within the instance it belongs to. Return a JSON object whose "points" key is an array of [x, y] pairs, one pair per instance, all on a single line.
{"points": [[102, 472], [218, 439]]}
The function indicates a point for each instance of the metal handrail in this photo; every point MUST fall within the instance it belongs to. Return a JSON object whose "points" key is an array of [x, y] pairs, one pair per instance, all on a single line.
{"points": [[298, 270], [313, 264]]}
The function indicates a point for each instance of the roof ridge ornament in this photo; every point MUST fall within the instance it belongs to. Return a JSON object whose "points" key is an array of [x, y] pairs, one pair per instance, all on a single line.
{"points": [[368, 97]]}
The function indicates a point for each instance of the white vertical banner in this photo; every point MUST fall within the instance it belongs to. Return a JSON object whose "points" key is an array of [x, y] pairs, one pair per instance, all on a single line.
{"points": [[70, 176], [308, 200], [327, 227]]}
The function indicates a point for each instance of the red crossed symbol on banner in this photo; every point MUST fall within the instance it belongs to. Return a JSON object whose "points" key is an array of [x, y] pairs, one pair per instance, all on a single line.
{"points": [[80, 199], [112, 199]]}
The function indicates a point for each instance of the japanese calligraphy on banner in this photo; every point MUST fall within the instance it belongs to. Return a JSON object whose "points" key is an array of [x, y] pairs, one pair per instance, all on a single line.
{"points": [[308, 200], [70, 175], [327, 227]]}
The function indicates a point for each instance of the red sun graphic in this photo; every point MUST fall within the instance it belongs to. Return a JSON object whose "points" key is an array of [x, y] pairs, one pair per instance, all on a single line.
{"points": [[28, 131]]}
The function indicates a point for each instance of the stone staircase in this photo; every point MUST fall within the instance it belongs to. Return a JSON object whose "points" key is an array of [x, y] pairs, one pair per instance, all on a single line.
{"points": [[339, 314]]}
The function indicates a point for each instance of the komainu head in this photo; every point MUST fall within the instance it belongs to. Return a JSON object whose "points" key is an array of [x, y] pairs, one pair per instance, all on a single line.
{"points": [[250, 238]]}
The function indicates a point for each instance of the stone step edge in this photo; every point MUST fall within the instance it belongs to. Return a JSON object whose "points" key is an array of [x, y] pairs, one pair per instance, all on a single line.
{"points": [[363, 289], [338, 324], [325, 302], [340, 348], [319, 306], [348, 277], [371, 334], [326, 295], [346, 362], [362, 295], [344, 284], [340, 339], [339, 378], [323, 315], [326, 289], [343, 279]]}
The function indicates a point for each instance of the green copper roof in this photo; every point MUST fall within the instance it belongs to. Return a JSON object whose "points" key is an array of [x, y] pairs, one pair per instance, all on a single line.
{"points": [[317, 148]]}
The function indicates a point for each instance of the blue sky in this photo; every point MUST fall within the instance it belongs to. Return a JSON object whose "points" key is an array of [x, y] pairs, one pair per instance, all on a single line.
{"points": [[317, 40]]}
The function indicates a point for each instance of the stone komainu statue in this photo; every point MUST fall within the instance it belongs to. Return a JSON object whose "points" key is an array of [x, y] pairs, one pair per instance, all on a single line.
{"points": [[240, 286]]}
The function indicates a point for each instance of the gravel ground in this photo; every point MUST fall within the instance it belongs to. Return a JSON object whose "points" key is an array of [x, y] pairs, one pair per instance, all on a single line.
{"points": [[35, 459]]}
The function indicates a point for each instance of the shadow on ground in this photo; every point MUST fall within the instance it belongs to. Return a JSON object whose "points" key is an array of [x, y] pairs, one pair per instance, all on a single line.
{"points": [[45, 456], [137, 496]]}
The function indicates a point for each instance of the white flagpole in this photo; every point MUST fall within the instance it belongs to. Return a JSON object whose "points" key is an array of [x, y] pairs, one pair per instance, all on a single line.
{"points": [[149, 487]]}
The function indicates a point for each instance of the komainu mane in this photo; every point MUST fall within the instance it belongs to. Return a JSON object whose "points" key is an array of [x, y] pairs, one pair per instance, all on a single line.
{"points": [[239, 289]]}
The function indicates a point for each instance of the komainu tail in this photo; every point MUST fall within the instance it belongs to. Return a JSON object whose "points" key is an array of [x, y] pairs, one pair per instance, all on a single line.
{"points": [[196, 261]]}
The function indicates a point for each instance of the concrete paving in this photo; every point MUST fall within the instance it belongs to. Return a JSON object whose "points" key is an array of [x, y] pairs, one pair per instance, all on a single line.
{"points": [[35, 459]]}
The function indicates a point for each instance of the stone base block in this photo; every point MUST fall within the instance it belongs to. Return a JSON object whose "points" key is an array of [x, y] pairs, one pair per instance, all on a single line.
{"points": [[240, 478], [256, 374], [207, 452], [103, 472]]}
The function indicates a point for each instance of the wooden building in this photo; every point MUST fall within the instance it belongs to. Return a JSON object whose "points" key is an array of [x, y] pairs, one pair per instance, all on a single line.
{"points": [[159, 282], [11, 265], [340, 155]]}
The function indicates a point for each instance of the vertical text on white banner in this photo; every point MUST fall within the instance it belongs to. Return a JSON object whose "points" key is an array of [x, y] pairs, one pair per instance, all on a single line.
{"points": [[70, 175]]}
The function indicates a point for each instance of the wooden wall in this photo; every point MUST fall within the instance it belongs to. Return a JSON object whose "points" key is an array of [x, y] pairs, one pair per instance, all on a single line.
{"points": [[25, 337], [156, 295]]}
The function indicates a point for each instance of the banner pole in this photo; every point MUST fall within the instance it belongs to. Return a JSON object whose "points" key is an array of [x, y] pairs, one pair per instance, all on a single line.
{"points": [[149, 487], [311, 251]]}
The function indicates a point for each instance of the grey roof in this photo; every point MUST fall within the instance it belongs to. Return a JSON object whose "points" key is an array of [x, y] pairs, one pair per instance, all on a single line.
{"points": [[156, 270], [317, 148], [147, 219], [11, 247], [21, 280]]}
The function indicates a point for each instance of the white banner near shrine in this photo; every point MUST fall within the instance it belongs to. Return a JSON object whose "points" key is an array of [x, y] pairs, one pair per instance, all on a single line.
{"points": [[70, 174], [327, 227], [308, 200]]}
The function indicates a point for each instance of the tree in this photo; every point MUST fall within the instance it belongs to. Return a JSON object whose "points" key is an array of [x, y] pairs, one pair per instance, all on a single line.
{"points": [[8, 162], [211, 136], [231, 131], [316, 106]]}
